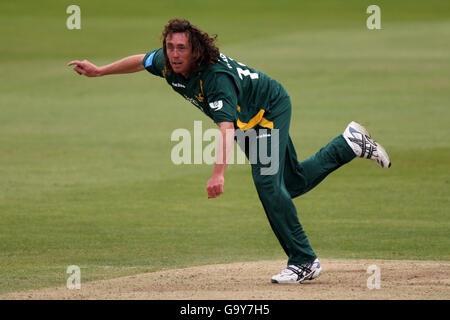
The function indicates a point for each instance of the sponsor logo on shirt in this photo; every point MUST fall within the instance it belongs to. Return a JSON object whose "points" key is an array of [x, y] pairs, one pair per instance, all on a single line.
{"points": [[178, 85], [194, 102], [216, 105]]}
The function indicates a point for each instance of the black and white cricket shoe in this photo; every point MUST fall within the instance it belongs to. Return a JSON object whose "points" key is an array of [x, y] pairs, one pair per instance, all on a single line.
{"points": [[358, 138], [297, 273]]}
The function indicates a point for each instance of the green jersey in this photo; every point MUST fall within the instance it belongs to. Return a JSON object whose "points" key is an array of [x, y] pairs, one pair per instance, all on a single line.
{"points": [[228, 91]]}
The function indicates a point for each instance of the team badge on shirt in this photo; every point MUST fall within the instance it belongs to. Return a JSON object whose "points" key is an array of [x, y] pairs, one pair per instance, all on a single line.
{"points": [[216, 105]]}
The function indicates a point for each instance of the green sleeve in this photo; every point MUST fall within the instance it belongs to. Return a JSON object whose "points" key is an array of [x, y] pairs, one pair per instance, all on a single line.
{"points": [[221, 95], [154, 62]]}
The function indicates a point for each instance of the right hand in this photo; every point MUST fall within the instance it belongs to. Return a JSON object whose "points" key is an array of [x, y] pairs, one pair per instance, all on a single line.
{"points": [[214, 186], [85, 68]]}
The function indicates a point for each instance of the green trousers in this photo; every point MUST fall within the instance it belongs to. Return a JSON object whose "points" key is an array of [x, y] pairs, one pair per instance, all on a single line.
{"points": [[291, 179]]}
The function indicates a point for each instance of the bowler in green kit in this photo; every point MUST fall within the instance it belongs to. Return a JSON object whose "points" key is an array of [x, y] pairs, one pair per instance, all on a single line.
{"points": [[245, 102]]}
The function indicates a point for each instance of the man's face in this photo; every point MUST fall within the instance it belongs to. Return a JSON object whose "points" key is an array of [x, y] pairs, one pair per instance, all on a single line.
{"points": [[179, 52]]}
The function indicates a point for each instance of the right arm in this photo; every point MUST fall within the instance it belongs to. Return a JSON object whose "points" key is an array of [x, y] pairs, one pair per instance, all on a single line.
{"points": [[126, 65]]}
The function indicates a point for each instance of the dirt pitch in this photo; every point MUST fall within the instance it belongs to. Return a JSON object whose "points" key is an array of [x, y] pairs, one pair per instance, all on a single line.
{"points": [[341, 279]]}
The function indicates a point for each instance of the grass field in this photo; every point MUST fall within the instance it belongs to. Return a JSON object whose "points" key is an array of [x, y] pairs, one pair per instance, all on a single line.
{"points": [[85, 172]]}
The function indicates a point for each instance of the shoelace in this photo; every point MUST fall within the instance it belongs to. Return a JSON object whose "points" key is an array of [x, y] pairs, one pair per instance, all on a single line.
{"points": [[367, 145], [300, 270]]}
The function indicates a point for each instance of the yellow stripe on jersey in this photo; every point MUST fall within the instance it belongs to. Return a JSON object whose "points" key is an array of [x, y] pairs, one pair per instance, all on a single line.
{"points": [[200, 97], [266, 123], [258, 119]]}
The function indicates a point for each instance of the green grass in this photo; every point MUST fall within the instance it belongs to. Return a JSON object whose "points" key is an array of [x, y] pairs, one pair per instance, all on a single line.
{"points": [[85, 171]]}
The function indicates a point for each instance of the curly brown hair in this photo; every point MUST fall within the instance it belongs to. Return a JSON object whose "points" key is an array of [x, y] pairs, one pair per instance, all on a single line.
{"points": [[203, 46]]}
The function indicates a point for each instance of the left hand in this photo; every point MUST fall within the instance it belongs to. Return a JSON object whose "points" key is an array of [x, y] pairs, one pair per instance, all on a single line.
{"points": [[214, 186]]}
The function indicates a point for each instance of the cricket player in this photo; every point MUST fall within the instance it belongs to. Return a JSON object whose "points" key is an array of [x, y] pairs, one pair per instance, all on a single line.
{"points": [[238, 97]]}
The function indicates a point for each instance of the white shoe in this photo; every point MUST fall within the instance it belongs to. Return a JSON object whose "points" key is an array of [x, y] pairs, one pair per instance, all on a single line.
{"points": [[358, 138], [298, 273]]}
